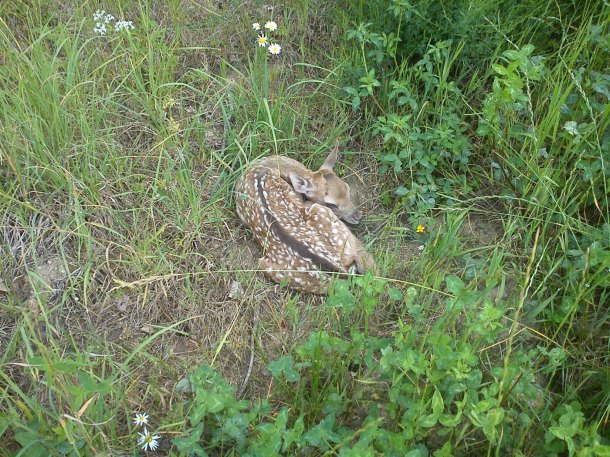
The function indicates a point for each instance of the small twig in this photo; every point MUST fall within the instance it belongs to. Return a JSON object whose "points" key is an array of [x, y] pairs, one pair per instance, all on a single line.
{"points": [[251, 364]]}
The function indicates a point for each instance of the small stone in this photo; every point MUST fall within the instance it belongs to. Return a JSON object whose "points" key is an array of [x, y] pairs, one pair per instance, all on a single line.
{"points": [[235, 290], [123, 303]]}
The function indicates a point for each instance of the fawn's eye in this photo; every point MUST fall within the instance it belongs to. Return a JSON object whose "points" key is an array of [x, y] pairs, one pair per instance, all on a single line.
{"points": [[331, 205]]}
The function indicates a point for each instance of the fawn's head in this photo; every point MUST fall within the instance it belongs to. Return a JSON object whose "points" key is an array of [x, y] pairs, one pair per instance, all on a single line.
{"points": [[326, 188]]}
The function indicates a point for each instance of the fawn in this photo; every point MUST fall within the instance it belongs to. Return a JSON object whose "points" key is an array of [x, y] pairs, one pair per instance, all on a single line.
{"points": [[294, 214]]}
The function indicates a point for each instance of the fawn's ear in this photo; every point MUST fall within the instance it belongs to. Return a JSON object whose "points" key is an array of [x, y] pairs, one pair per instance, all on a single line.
{"points": [[330, 161], [302, 185]]}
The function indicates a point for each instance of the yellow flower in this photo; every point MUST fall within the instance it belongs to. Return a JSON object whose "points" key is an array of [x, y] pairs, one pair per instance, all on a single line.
{"points": [[262, 41], [420, 229]]}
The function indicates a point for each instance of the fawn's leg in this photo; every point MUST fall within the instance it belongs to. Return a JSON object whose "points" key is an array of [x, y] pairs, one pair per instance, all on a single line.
{"points": [[352, 250], [354, 253], [302, 281], [364, 261]]}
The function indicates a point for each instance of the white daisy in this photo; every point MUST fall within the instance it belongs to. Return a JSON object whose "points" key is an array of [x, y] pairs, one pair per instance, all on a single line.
{"points": [[140, 419], [256, 26], [275, 49], [271, 26], [262, 41], [148, 441]]}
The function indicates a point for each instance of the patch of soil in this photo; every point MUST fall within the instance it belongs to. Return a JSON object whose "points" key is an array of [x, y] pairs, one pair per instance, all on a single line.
{"points": [[481, 230]]}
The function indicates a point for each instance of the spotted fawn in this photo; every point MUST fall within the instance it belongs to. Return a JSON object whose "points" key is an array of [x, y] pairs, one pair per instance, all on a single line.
{"points": [[295, 215]]}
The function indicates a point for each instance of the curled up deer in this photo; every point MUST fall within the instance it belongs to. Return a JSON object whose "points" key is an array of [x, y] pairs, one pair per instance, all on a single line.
{"points": [[295, 215]]}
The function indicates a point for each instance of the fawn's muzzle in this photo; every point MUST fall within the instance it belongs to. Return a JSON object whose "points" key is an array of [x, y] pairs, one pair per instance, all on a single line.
{"points": [[354, 217]]}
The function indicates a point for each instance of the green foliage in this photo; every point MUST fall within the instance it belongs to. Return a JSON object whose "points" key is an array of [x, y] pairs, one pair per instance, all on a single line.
{"points": [[553, 118], [71, 383], [538, 101], [422, 133], [411, 25], [217, 418], [415, 391]]}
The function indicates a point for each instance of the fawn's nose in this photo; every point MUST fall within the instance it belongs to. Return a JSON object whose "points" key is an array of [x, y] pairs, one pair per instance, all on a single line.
{"points": [[354, 217]]}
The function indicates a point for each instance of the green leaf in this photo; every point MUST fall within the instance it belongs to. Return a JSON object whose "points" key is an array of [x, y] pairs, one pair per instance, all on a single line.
{"points": [[294, 434], [32, 441], [67, 366], [559, 432], [455, 285], [601, 450], [401, 191], [322, 434], [493, 419], [484, 405], [341, 297], [428, 421], [190, 444], [448, 420], [282, 419], [474, 379], [333, 403], [197, 413], [511, 68], [284, 366], [395, 293], [511, 54], [216, 401], [184, 386], [500, 69], [90, 385], [64, 448], [437, 403], [483, 129], [235, 426], [3, 426], [527, 49], [445, 451], [266, 428]]}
